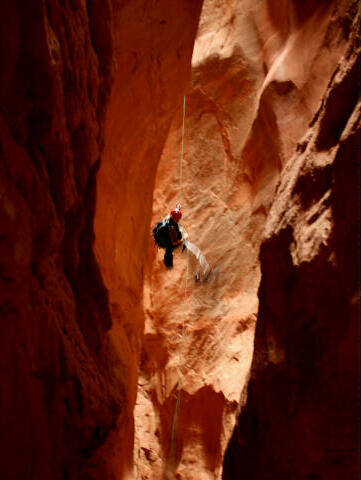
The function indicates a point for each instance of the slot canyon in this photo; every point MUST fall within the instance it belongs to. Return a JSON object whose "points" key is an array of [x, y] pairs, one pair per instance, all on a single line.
{"points": [[116, 368]]}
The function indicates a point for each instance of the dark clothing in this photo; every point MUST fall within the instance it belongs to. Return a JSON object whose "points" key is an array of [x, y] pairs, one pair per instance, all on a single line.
{"points": [[168, 258], [174, 233], [174, 238], [167, 235]]}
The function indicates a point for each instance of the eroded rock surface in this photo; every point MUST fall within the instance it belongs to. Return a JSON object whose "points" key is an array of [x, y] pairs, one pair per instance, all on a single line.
{"points": [[152, 55], [88, 90], [57, 402], [70, 321], [301, 417], [259, 72]]}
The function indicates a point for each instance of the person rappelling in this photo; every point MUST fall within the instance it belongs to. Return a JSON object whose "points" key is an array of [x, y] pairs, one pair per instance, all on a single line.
{"points": [[169, 234]]}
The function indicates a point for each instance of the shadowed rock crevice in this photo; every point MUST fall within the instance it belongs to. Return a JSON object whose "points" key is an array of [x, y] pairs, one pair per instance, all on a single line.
{"points": [[93, 312], [70, 365], [192, 419], [302, 407], [341, 103]]}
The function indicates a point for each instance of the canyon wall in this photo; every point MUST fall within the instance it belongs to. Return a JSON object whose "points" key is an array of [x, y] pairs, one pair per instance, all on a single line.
{"points": [[87, 90], [301, 418], [259, 72], [152, 55]]}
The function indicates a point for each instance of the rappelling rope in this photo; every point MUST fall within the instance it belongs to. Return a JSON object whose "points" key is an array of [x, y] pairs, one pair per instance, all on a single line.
{"points": [[179, 386], [182, 152], [174, 425]]}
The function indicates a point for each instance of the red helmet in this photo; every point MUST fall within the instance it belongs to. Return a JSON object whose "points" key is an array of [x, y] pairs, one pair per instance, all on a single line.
{"points": [[176, 214]]}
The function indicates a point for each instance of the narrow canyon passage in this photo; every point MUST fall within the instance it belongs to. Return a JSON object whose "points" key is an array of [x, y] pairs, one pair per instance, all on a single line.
{"points": [[251, 99], [91, 99]]}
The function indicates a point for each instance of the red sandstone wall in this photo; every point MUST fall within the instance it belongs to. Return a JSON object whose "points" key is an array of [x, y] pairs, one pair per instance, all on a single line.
{"points": [[87, 92], [153, 48], [69, 329], [258, 75], [302, 414], [57, 405]]}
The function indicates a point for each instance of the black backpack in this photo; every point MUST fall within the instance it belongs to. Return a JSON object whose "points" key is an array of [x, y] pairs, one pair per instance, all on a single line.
{"points": [[161, 234]]}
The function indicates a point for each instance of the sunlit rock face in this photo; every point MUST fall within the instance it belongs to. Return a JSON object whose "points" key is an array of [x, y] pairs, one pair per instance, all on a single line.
{"points": [[152, 57], [302, 411], [70, 321], [88, 90], [259, 71]]}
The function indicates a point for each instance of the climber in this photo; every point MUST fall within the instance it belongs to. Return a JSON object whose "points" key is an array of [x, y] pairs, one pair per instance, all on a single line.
{"points": [[169, 235]]}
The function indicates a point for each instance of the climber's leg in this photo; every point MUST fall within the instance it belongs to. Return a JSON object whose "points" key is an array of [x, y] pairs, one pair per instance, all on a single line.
{"points": [[168, 258]]}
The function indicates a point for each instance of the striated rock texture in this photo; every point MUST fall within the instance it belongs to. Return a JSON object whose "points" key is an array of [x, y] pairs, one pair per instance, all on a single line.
{"points": [[302, 414], [259, 71], [68, 349], [152, 54], [56, 401], [88, 89]]}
